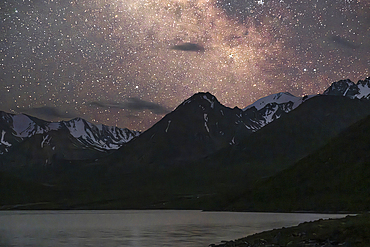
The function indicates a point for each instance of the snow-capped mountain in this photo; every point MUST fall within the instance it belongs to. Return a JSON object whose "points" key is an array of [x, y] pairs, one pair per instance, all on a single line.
{"points": [[273, 106], [16, 128], [233, 124], [101, 137], [279, 98], [347, 88], [252, 117]]}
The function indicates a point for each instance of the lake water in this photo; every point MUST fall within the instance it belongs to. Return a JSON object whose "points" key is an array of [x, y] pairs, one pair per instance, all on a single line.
{"points": [[137, 228]]}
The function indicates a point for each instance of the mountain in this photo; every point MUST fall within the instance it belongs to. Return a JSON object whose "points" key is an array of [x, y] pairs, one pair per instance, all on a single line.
{"points": [[300, 132], [347, 88], [16, 128], [39, 151], [273, 106], [100, 137], [197, 127]]}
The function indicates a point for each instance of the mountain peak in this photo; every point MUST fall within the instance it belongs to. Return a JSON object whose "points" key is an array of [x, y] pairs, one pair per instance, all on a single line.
{"points": [[342, 88], [364, 89], [279, 98], [365, 82], [77, 119], [202, 97]]}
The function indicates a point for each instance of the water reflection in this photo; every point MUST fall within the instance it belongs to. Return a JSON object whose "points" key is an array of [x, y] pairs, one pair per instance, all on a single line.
{"points": [[136, 228]]}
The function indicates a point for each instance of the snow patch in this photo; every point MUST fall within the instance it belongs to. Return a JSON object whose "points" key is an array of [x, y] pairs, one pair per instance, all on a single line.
{"points": [[168, 125], [345, 92], [100, 127], [53, 126], [205, 116], [270, 114], [232, 141], [24, 126], [206, 126], [3, 132], [364, 91], [186, 102], [45, 140], [210, 101], [278, 98], [76, 128]]}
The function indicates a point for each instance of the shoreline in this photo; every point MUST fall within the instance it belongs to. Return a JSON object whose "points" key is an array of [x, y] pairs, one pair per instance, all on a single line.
{"points": [[29, 206], [347, 231]]}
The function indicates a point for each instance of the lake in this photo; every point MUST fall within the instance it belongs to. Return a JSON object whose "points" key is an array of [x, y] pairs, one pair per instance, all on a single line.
{"points": [[181, 228]]}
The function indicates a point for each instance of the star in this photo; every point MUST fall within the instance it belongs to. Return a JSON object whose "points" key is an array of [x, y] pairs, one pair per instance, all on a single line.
{"points": [[68, 54]]}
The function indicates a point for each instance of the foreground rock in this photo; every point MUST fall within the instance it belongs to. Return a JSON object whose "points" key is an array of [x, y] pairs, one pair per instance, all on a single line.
{"points": [[348, 231]]}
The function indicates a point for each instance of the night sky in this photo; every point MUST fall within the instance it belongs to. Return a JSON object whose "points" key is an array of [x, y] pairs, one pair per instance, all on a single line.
{"points": [[128, 62]]}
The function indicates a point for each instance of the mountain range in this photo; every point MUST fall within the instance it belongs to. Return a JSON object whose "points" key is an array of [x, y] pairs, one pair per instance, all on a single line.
{"points": [[17, 128], [201, 155], [201, 125]]}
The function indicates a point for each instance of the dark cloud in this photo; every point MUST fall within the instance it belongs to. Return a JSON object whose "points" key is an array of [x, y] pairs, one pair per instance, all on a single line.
{"points": [[133, 104], [343, 42], [47, 112], [188, 47]]}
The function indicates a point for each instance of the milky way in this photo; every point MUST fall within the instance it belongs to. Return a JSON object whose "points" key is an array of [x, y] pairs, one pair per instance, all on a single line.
{"points": [[129, 62]]}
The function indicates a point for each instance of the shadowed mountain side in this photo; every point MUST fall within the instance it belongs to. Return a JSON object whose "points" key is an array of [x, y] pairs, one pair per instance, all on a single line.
{"points": [[279, 145], [293, 136], [198, 127], [334, 178]]}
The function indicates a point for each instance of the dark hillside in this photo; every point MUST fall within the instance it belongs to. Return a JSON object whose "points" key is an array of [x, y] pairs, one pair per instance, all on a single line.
{"points": [[334, 178]]}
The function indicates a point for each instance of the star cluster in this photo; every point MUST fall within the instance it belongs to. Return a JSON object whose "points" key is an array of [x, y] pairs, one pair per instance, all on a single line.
{"points": [[128, 62]]}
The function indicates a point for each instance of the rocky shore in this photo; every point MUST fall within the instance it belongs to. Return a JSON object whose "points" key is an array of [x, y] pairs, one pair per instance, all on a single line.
{"points": [[348, 231]]}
